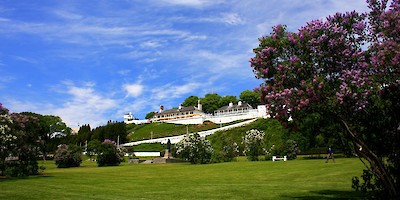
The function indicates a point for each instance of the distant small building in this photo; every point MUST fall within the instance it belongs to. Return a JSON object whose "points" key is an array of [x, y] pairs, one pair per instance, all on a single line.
{"points": [[130, 119], [74, 131]]}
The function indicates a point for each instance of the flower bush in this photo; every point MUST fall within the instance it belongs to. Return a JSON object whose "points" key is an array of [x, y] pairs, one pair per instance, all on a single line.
{"points": [[228, 152], [195, 149], [346, 68], [18, 144], [67, 156], [254, 144], [109, 154]]}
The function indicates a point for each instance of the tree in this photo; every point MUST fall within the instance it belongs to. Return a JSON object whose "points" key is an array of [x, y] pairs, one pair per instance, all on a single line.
{"points": [[254, 144], [52, 131], [345, 68], [150, 115], [225, 100], [19, 143], [190, 101], [112, 131], [7, 138], [195, 149], [68, 156], [93, 148], [210, 102], [250, 97], [84, 134], [108, 154]]}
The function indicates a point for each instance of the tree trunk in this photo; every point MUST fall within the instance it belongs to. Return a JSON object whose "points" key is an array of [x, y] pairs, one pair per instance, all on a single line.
{"points": [[377, 165]]}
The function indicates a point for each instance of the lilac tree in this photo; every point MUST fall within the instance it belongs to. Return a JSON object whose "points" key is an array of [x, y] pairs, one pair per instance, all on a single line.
{"points": [[195, 149], [68, 156], [253, 144], [18, 143], [345, 67], [109, 154], [7, 139]]}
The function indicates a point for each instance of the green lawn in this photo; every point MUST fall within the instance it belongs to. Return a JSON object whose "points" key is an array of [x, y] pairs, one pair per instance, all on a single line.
{"points": [[298, 179]]}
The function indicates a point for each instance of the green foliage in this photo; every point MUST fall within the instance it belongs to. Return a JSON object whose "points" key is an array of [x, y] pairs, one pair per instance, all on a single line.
{"points": [[211, 102], [225, 100], [370, 185], [109, 155], [275, 134], [346, 68], [250, 97], [48, 125], [68, 156], [150, 115], [111, 131], [93, 148], [278, 141], [225, 150], [292, 149], [19, 143], [253, 144], [190, 101], [84, 134], [195, 149], [21, 167]]}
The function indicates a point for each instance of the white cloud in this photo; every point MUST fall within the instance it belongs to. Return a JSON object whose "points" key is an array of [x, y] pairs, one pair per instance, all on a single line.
{"points": [[20, 106], [124, 72], [170, 91], [26, 59], [4, 19], [133, 90], [85, 105], [4, 80], [232, 18], [82, 105], [67, 15], [192, 3]]}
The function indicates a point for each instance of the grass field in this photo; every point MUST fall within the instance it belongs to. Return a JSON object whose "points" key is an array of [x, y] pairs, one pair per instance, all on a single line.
{"points": [[298, 179]]}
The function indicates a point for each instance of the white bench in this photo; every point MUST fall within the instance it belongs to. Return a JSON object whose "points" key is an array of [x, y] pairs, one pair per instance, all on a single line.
{"points": [[279, 158]]}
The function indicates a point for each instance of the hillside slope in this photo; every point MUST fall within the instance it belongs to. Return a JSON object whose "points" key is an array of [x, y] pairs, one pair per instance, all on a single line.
{"points": [[159, 130], [275, 134]]}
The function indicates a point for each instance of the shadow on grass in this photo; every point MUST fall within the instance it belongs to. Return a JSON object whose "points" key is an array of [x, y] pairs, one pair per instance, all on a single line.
{"points": [[328, 194], [13, 179]]}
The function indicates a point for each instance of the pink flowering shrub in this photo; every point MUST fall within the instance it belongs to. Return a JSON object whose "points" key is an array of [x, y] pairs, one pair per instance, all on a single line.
{"points": [[109, 154], [18, 144], [341, 67], [68, 156]]}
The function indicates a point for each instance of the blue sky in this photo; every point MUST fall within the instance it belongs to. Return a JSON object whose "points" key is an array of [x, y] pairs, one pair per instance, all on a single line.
{"points": [[92, 61]]}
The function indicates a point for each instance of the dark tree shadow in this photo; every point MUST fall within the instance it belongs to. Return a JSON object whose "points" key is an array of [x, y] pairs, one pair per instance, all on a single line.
{"points": [[13, 179], [328, 195]]}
